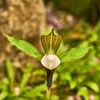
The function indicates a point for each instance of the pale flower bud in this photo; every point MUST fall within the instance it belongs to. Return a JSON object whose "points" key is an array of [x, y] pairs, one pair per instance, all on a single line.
{"points": [[50, 61], [17, 90]]}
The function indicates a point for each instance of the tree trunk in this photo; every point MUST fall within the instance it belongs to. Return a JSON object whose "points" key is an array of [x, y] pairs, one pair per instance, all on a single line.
{"points": [[24, 19]]}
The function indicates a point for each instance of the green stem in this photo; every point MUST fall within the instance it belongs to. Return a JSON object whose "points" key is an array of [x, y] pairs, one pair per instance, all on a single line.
{"points": [[48, 93]]}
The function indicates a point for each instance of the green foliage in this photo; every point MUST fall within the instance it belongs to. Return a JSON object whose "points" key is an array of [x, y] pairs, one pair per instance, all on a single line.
{"points": [[73, 54], [25, 47], [16, 98], [48, 31], [10, 73], [36, 91], [79, 71], [4, 84], [93, 86], [6, 92], [3, 95], [67, 76], [9, 69], [39, 72], [97, 28], [25, 78], [83, 92]]}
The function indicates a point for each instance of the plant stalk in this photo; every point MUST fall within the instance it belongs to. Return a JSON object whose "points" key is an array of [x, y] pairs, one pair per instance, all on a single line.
{"points": [[48, 93], [49, 82]]}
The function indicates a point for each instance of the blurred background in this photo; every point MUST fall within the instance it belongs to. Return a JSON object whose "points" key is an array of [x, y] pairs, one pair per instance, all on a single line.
{"points": [[77, 21]]}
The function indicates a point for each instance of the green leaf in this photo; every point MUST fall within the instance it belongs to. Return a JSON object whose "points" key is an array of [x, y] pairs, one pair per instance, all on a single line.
{"points": [[90, 64], [9, 69], [16, 98], [4, 84], [3, 95], [93, 86], [96, 76], [66, 76], [36, 91], [72, 84], [19, 98], [39, 72], [25, 78], [83, 92], [55, 76], [97, 28], [48, 31], [25, 47], [54, 97], [73, 54], [10, 73]]}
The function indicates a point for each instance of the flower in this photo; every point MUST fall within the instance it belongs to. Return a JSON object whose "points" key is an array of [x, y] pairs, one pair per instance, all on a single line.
{"points": [[50, 61], [17, 89], [50, 45]]}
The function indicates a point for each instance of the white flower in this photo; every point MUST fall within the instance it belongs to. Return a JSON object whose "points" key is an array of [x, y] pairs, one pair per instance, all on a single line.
{"points": [[50, 45], [17, 89], [50, 61]]}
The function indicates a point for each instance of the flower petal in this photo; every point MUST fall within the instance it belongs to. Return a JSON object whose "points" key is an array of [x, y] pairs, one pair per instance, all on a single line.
{"points": [[50, 61], [51, 43]]}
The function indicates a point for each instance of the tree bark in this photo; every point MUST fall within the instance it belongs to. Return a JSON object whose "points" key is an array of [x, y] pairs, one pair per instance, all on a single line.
{"points": [[24, 19]]}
